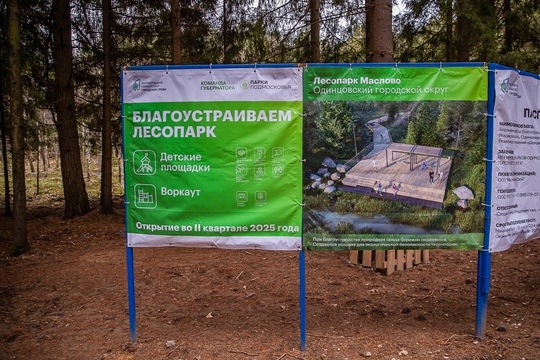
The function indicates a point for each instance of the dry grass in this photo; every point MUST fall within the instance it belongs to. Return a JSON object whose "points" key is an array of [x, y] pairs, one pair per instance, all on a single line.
{"points": [[44, 188]]}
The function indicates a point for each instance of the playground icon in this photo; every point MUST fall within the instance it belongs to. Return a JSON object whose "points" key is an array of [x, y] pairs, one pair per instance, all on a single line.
{"points": [[144, 162]]}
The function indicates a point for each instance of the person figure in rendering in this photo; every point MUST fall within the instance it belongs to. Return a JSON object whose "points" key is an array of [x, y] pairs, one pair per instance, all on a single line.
{"points": [[441, 175], [431, 174], [374, 163], [424, 165], [394, 188], [379, 188]]}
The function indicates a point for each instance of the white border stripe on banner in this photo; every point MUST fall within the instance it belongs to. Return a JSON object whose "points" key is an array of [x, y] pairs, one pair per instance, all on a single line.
{"points": [[221, 242]]}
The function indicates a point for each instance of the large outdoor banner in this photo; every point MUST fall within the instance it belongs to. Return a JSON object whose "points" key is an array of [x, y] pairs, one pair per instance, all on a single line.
{"points": [[515, 185], [212, 157], [394, 156]]}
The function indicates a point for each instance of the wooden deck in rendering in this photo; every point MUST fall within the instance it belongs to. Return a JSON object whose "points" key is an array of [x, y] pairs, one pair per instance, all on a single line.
{"points": [[413, 186]]}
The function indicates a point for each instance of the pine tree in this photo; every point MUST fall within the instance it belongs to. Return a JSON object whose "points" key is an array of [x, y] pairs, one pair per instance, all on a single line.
{"points": [[20, 241], [75, 195], [335, 128]]}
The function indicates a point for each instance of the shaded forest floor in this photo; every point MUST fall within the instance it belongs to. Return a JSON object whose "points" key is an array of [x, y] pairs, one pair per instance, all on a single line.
{"points": [[67, 299]]}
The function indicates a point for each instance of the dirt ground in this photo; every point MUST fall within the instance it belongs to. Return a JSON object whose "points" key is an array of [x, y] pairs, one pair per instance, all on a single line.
{"points": [[67, 299]]}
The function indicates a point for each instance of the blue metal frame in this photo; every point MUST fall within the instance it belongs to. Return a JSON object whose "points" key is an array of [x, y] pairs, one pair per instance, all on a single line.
{"points": [[288, 65], [302, 271], [484, 255], [211, 66], [129, 250], [493, 66], [398, 65]]}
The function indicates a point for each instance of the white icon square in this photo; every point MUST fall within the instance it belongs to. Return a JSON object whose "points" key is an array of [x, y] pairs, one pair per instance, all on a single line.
{"points": [[241, 196], [144, 162]]}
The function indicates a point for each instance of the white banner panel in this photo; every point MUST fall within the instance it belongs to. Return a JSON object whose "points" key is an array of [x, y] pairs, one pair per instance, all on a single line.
{"points": [[515, 183], [240, 84]]}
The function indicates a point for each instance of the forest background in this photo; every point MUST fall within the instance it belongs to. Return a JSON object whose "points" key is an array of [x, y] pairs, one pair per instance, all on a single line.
{"points": [[60, 64]]}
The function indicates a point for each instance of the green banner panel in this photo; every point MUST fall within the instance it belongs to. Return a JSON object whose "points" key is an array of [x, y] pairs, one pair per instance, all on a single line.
{"points": [[394, 157], [212, 157], [396, 83]]}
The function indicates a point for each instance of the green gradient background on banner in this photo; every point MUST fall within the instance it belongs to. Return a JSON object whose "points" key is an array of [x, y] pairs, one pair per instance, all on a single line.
{"points": [[397, 83], [225, 194]]}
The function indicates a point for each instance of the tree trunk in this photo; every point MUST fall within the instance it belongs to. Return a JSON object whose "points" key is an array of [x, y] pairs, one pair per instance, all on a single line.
{"points": [[486, 12], [31, 163], [44, 153], [379, 41], [315, 31], [448, 13], [20, 237], [76, 197], [5, 167], [106, 131], [462, 31], [225, 33], [86, 155], [176, 34], [37, 172], [119, 165], [508, 27]]}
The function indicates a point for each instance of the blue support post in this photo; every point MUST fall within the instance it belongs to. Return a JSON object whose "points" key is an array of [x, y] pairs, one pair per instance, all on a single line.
{"points": [[302, 270], [131, 294], [484, 279], [129, 250], [484, 255]]}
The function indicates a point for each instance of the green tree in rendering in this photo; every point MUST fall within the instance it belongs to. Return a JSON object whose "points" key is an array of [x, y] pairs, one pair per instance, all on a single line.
{"points": [[335, 129]]}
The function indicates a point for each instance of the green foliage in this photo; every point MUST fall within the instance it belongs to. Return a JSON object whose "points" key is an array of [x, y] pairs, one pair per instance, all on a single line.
{"points": [[319, 201], [470, 221], [344, 227], [363, 111], [443, 126], [425, 218], [483, 30], [343, 205], [396, 212], [310, 132], [392, 110], [366, 206], [399, 132], [238, 32], [334, 124], [421, 126], [50, 183]]}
